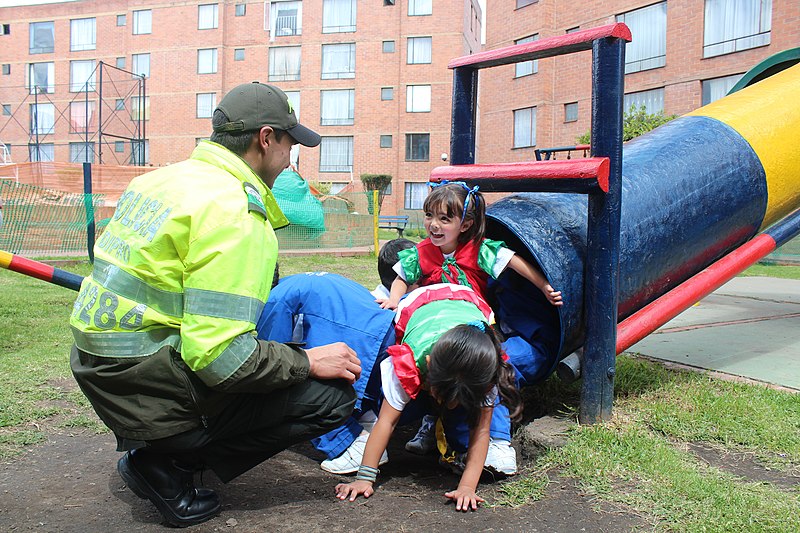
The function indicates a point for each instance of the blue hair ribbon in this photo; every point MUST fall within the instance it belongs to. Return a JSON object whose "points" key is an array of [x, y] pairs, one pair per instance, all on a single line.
{"points": [[473, 192], [479, 324]]}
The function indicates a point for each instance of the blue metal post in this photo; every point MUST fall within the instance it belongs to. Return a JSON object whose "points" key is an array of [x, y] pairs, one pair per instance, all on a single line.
{"points": [[602, 253], [462, 133], [89, 206]]}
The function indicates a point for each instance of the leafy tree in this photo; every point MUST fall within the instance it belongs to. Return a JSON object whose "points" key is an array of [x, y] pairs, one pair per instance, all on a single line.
{"points": [[635, 122], [375, 182]]}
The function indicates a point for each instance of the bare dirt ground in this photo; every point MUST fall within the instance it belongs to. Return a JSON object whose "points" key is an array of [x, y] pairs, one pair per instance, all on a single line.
{"points": [[70, 484]]}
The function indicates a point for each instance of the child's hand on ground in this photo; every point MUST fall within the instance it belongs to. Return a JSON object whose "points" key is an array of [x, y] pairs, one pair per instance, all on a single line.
{"points": [[553, 296], [465, 499], [349, 491]]}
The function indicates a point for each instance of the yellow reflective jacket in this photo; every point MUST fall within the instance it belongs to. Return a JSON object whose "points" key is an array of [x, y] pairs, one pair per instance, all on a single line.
{"points": [[166, 320]]}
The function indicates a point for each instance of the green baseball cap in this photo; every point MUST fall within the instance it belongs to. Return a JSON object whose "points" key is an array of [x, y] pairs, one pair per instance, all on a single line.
{"points": [[250, 106]]}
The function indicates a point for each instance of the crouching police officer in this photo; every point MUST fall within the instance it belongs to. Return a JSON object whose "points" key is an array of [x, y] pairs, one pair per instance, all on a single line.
{"points": [[164, 327]]}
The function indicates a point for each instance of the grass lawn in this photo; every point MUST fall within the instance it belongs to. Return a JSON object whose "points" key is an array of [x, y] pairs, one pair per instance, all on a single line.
{"points": [[645, 460]]}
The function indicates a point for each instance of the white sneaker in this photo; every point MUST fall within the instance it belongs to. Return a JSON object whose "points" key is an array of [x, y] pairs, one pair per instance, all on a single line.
{"points": [[501, 457], [350, 460], [424, 442]]}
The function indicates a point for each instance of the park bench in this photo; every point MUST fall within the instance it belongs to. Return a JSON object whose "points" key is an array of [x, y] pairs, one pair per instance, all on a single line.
{"points": [[395, 222]]}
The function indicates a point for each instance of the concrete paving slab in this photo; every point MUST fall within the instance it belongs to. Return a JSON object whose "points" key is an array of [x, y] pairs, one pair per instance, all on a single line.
{"points": [[750, 327]]}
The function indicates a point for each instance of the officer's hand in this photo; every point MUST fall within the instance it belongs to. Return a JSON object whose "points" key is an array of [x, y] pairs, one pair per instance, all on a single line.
{"points": [[334, 361]]}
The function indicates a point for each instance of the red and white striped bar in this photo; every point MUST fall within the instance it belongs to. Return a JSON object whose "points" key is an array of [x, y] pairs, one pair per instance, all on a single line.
{"points": [[551, 46], [575, 175]]}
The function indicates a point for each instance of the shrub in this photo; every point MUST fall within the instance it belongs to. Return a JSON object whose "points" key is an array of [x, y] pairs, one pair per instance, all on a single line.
{"points": [[375, 182], [635, 122]]}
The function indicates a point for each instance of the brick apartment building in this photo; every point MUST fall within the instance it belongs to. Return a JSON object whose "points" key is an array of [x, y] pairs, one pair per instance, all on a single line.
{"points": [[370, 75], [684, 54]]}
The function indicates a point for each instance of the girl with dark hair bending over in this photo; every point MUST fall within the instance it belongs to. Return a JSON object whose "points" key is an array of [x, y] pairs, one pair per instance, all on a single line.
{"points": [[447, 348]]}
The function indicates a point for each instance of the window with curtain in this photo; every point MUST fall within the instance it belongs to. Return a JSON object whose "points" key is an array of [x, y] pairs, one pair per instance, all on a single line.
{"points": [[207, 16], [284, 63], [42, 37], [526, 67], [82, 117], [337, 107], [206, 102], [41, 152], [241, 9], [81, 76], [207, 61], [285, 18], [41, 77], [525, 127], [140, 64], [338, 61], [734, 25], [43, 118], [652, 100], [140, 152], [140, 110], [419, 50], [143, 22], [415, 194], [336, 154], [418, 98], [420, 7], [82, 152], [649, 48], [718, 87], [418, 146], [571, 112], [82, 35], [338, 16]]}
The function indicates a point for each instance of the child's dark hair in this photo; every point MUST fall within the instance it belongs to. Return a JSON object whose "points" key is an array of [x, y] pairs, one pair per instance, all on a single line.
{"points": [[451, 199], [465, 363], [387, 258]]}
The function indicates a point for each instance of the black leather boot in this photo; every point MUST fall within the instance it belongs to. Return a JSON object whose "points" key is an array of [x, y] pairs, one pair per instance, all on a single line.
{"points": [[170, 486]]}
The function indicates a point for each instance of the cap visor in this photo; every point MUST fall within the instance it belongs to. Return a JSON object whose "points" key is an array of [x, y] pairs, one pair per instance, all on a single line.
{"points": [[304, 136]]}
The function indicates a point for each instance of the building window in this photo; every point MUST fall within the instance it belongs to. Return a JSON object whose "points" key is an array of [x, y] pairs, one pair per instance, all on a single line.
{"points": [[338, 61], [337, 107], [82, 35], [140, 152], [122, 20], [523, 3], [652, 101], [207, 61], [418, 146], [649, 51], [119, 146], [525, 127], [81, 76], [139, 111], [7, 110], [5, 29], [418, 98], [207, 16], [240, 10], [238, 54], [81, 117], [6, 69], [571, 112], [338, 16], [42, 37], [336, 154], [388, 47], [419, 7], [120, 62], [284, 63], [573, 30], [41, 78], [43, 119], [734, 25], [206, 103], [41, 152], [286, 18], [140, 65], [415, 195], [81, 152], [419, 50], [718, 87], [386, 141], [119, 104], [143, 22], [387, 93], [526, 68]]}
